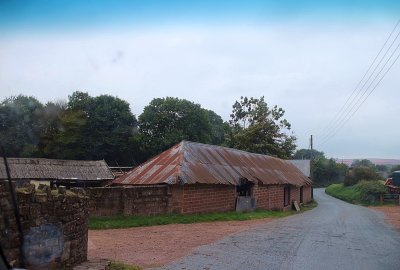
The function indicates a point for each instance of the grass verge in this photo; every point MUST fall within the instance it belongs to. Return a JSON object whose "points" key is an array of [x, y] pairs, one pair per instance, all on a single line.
{"points": [[351, 194], [122, 266], [117, 222]]}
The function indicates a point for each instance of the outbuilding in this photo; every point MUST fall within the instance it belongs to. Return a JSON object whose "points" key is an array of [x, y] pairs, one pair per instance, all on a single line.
{"points": [[208, 178], [58, 172]]}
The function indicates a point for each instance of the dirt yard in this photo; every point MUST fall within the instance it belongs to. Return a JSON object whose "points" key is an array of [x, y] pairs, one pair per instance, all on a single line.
{"points": [[392, 214], [158, 245]]}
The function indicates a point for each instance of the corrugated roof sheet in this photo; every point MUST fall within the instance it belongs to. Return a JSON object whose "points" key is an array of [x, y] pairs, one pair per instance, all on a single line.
{"points": [[190, 163], [40, 168]]}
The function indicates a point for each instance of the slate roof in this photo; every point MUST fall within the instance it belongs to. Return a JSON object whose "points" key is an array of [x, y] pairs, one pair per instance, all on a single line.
{"points": [[40, 169]]}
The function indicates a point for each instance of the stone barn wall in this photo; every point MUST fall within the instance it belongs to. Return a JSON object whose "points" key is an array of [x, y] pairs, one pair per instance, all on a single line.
{"points": [[55, 227]]}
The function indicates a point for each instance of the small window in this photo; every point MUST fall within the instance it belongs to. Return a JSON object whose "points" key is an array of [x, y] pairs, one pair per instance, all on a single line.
{"points": [[286, 195], [301, 194]]}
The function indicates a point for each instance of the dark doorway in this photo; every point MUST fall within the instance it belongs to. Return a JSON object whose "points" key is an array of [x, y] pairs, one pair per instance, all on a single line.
{"points": [[244, 188], [286, 195], [301, 194]]}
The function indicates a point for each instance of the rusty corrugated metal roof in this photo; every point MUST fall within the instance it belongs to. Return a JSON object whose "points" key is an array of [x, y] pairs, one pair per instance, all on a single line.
{"points": [[42, 168], [190, 163]]}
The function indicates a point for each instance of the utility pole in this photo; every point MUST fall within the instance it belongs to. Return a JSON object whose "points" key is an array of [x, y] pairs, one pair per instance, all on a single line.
{"points": [[311, 146]]}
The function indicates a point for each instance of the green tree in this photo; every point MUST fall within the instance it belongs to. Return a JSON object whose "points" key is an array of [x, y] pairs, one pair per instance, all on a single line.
{"points": [[308, 154], [327, 171], [382, 168], [92, 128], [357, 174], [363, 163], [65, 138], [217, 127], [20, 127], [260, 129], [167, 121], [395, 168]]}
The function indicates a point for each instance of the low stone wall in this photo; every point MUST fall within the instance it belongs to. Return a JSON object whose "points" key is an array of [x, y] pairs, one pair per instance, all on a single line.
{"points": [[55, 227]]}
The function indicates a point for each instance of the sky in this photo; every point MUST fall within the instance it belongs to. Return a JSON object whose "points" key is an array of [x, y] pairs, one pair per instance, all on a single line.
{"points": [[304, 56]]}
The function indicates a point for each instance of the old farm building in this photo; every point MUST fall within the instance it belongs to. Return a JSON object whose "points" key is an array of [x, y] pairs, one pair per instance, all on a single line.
{"points": [[56, 172], [205, 178]]}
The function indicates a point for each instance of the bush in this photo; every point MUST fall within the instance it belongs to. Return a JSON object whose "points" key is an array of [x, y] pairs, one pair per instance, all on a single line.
{"points": [[355, 175], [369, 190]]}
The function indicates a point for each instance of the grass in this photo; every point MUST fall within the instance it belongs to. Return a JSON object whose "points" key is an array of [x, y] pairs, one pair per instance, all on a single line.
{"points": [[350, 194], [122, 266], [117, 222]]}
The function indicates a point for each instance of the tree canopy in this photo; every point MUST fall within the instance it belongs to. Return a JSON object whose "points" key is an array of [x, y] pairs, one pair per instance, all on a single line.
{"points": [[167, 121], [20, 125], [103, 127], [260, 129], [308, 154]]}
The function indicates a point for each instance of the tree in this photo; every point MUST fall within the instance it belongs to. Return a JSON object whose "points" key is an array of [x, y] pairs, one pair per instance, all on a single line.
{"points": [[308, 154], [167, 121], [217, 127], [357, 174], [363, 163], [395, 168], [19, 125], [260, 129], [65, 138], [327, 171], [93, 128]]}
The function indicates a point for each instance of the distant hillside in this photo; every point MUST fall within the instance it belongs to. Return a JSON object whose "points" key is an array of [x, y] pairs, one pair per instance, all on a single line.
{"points": [[376, 161]]}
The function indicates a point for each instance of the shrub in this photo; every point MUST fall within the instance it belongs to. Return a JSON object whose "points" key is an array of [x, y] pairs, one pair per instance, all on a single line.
{"points": [[369, 190], [360, 173]]}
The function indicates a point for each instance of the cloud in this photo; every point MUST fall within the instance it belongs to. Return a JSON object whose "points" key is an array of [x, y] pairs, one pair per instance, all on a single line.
{"points": [[307, 69]]}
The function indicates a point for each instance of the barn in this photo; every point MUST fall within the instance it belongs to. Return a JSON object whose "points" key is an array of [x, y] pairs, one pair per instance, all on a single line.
{"points": [[208, 178]]}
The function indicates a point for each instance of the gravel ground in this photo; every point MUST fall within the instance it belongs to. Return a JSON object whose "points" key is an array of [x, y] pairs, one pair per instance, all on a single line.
{"points": [[335, 235], [392, 214], [158, 245]]}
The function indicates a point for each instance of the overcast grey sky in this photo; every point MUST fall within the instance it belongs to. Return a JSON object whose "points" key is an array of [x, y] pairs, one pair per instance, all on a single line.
{"points": [[306, 66]]}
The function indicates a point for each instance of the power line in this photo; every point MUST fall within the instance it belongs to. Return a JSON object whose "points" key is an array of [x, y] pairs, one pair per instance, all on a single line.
{"points": [[363, 101], [342, 116], [352, 103], [338, 117]]}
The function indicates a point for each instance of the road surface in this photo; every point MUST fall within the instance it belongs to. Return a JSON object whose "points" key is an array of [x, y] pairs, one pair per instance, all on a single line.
{"points": [[335, 235]]}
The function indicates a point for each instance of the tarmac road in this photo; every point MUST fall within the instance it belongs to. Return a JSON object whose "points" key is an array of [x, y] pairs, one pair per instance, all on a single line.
{"points": [[335, 235]]}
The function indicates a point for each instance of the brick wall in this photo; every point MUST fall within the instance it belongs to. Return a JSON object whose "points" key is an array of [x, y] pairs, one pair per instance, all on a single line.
{"points": [[197, 198], [261, 193], [129, 200], [54, 226], [208, 198], [307, 194], [295, 194], [271, 196]]}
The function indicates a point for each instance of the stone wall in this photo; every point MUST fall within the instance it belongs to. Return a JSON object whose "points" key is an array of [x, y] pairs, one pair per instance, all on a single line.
{"points": [[55, 227]]}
